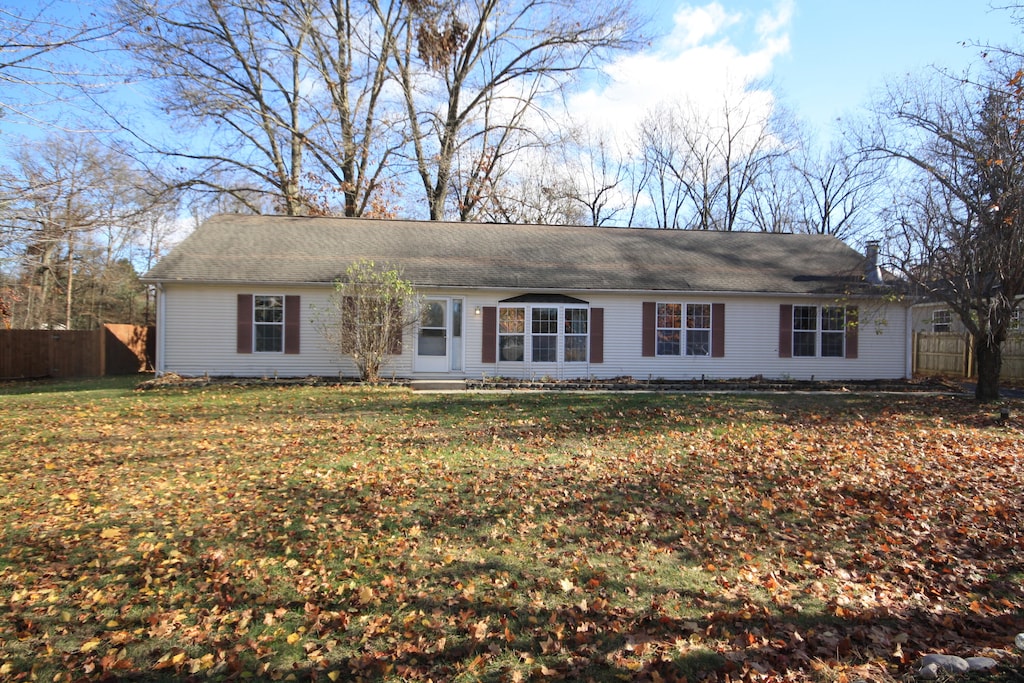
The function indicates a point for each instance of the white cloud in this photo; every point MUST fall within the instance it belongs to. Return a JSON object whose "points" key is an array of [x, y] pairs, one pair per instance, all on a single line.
{"points": [[694, 25], [770, 24], [701, 60]]}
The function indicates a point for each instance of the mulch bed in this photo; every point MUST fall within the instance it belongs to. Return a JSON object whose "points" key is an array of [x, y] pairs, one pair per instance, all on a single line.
{"points": [[926, 384]]}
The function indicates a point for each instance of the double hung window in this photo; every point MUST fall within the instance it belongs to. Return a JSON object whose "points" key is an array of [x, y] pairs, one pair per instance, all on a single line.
{"points": [[576, 334], [833, 331], [511, 333], [268, 324], [683, 329], [698, 329], [805, 330], [556, 334], [670, 321], [819, 331], [545, 335]]}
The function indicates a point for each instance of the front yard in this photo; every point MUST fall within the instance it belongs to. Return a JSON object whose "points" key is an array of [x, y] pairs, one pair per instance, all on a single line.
{"points": [[326, 533]]}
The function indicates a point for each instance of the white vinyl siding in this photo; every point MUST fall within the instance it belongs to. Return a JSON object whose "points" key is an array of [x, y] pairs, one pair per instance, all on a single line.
{"points": [[751, 344], [197, 337]]}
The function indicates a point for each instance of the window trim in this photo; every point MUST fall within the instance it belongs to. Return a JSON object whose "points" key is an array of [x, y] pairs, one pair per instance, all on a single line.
{"points": [[683, 343], [687, 316], [544, 329], [937, 323], [529, 333], [258, 324], [568, 332], [829, 331], [800, 314], [789, 329], [520, 333], [672, 332]]}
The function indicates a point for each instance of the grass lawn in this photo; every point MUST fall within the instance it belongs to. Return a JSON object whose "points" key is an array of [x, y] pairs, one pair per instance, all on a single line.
{"points": [[326, 533]]}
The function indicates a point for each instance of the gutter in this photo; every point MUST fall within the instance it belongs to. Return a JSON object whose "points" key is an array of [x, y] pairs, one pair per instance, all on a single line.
{"points": [[519, 288]]}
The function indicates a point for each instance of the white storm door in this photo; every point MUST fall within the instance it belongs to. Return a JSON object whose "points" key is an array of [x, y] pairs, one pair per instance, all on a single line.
{"points": [[432, 337]]}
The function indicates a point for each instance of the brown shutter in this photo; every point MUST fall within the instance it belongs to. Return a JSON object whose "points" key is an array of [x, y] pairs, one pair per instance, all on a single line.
{"points": [[596, 335], [396, 341], [489, 338], [717, 330], [852, 331], [348, 318], [649, 329], [292, 324], [786, 331], [244, 324]]}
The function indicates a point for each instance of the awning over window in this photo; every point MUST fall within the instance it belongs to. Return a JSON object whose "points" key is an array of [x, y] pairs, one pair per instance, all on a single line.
{"points": [[543, 299]]}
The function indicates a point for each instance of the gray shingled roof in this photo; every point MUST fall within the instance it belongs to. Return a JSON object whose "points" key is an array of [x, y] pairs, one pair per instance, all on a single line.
{"points": [[278, 249]]}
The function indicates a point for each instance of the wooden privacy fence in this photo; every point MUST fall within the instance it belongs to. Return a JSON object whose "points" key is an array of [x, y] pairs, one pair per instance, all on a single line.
{"points": [[947, 353], [110, 350]]}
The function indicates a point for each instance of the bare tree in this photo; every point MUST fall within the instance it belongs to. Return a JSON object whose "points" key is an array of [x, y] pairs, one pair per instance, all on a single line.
{"points": [[73, 218], [664, 160], [775, 199], [701, 164], [748, 145], [471, 71], [539, 193], [597, 176], [360, 130], [572, 180], [371, 309], [963, 224], [483, 172], [837, 188], [47, 58], [280, 96], [234, 71]]}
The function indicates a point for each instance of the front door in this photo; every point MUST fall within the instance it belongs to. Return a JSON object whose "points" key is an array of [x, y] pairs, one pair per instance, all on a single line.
{"points": [[432, 338]]}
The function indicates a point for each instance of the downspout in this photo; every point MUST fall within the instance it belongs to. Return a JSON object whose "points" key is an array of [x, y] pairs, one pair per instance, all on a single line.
{"points": [[160, 330], [908, 336]]}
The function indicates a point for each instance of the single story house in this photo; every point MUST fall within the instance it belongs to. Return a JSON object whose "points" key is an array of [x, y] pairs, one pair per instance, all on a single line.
{"points": [[238, 297], [937, 317]]}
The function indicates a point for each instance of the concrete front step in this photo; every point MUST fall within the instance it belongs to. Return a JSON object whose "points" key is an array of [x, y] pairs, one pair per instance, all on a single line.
{"points": [[438, 385]]}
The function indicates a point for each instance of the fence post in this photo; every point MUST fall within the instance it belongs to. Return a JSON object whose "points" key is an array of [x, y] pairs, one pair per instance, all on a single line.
{"points": [[915, 340], [51, 355], [101, 335], [968, 356]]}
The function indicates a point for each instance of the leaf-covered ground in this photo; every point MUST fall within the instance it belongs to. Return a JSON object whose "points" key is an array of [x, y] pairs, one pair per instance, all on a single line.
{"points": [[340, 534]]}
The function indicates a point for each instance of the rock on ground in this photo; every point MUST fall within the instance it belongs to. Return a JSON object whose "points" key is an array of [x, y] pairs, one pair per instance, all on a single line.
{"points": [[981, 663], [931, 665]]}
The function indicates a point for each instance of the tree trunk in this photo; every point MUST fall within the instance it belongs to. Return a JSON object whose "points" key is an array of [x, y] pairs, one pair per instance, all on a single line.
{"points": [[988, 355]]}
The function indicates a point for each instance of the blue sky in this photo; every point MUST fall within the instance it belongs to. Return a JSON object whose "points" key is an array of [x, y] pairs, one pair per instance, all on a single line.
{"points": [[843, 51], [824, 58]]}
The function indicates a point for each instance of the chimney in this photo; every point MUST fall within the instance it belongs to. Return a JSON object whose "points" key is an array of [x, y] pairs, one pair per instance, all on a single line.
{"points": [[872, 271]]}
